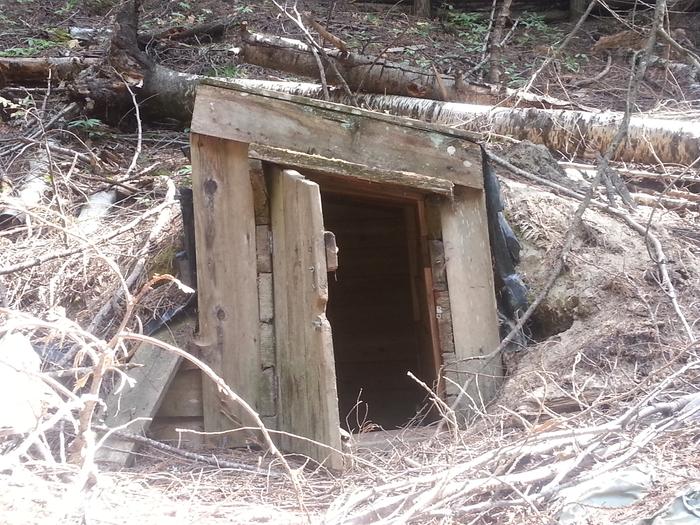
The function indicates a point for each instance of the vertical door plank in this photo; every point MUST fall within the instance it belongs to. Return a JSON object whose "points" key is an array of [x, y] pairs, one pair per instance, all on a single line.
{"points": [[227, 278], [472, 297], [308, 398]]}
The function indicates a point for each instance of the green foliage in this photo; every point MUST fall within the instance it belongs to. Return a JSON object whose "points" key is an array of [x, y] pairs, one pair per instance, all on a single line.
{"points": [[373, 19], [34, 46], [422, 28], [573, 63], [85, 124], [243, 10], [69, 6], [185, 170], [472, 28], [514, 76], [536, 29], [230, 71]]}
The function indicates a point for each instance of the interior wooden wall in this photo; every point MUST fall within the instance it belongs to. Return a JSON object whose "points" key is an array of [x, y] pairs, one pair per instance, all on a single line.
{"points": [[374, 309]]}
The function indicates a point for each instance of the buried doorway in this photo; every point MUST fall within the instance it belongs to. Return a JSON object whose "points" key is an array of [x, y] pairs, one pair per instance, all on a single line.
{"points": [[378, 310]]}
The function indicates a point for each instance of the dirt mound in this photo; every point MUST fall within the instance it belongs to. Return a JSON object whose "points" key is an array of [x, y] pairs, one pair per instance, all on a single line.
{"points": [[606, 327]]}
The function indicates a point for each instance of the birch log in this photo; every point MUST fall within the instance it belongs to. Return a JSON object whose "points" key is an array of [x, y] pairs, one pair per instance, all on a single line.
{"points": [[374, 74], [578, 134]]}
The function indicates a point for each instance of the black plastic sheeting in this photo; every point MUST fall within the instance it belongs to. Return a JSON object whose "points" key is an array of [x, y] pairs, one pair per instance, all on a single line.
{"points": [[511, 292]]}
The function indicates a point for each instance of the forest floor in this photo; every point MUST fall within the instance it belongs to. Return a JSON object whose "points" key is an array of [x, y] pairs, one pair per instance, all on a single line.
{"points": [[605, 337]]}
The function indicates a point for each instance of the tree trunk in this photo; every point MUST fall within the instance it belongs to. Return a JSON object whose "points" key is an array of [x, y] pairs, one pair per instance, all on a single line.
{"points": [[376, 75], [421, 8], [495, 47]]}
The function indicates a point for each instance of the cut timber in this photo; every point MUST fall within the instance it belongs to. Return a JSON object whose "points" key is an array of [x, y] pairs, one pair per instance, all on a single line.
{"points": [[472, 299], [308, 397], [284, 157], [142, 400], [227, 277], [336, 132]]}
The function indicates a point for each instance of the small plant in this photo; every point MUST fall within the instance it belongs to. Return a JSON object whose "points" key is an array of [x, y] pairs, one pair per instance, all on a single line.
{"points": [[34, 46], [573, 63], [423, 29], [230, 71], [536, 28], [85, 124], [185, 170], [472, 28], [243, 10], [69, 6], [514, 76]]}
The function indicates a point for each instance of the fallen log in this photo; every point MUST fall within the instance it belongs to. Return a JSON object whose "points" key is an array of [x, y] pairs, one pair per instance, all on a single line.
{"points": [[575, 134], [169, 94], [378, 75], [33, 70]]}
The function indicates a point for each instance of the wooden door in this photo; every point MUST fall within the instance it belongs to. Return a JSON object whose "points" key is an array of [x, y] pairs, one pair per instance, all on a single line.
{"points": [[308, 398]]}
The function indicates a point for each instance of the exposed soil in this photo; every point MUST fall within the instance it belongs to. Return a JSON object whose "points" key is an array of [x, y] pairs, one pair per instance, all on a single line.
{"points": [[603, 337]]}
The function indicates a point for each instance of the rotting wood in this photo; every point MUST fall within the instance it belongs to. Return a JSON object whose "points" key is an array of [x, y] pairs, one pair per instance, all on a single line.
{"points": [[308, 399], [165, 429], [140, 401], [337, 132], [227, 277], [472, 297]]}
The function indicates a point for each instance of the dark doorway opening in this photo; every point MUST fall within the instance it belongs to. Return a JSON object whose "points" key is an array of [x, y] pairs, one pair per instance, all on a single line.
{"points": [[379, 311]]}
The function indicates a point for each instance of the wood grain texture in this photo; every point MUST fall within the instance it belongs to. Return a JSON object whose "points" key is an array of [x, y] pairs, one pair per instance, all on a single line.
{"points": [[471, 292], [353, 171], [184, 396], [141, 400], [308, 399], [227, 277], [334, 131]]}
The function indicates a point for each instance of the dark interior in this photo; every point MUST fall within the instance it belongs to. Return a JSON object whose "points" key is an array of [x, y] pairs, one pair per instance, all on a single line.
{"points": [[375, 313]]}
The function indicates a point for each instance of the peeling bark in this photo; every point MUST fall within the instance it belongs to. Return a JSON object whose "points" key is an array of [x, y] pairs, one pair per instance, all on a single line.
{"points": [[377, 75]]}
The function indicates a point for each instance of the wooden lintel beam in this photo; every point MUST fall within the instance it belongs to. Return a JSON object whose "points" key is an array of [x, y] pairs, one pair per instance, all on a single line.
{"points": [[336, 131], [352, 170]]}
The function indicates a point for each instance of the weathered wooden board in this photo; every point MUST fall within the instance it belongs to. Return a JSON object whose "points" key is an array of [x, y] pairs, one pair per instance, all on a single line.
{"points": [[184, 396], [335, 131], [352, 170], [227, 276], [472, 297], [140, 401], [308, 399]]}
